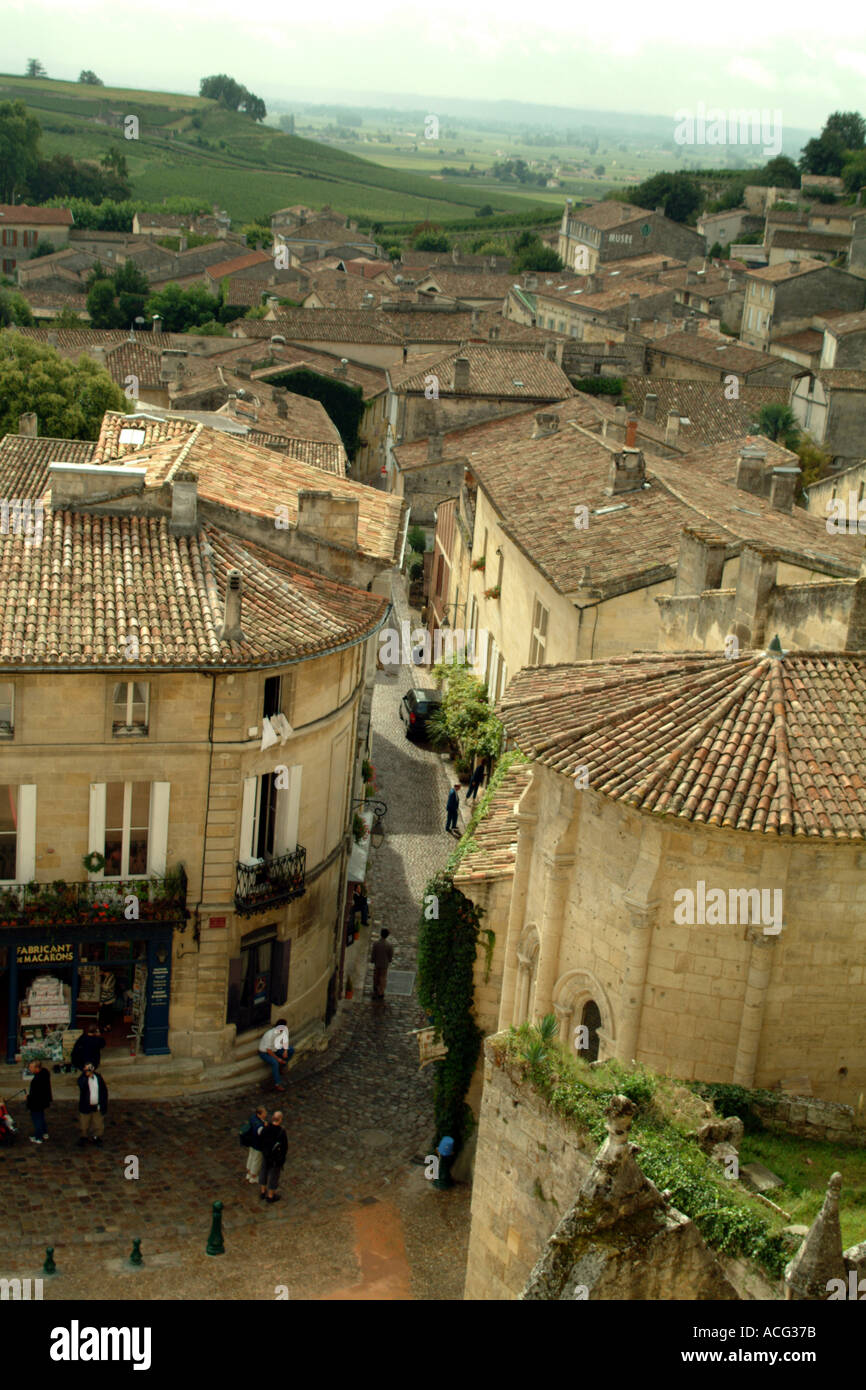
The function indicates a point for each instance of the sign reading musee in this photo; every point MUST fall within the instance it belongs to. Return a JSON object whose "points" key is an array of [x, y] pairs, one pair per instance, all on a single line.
{"points": [[49, 953]]}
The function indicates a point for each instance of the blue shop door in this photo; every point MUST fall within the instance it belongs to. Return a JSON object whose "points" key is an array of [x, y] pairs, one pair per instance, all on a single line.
{"points": [[158, 996]]}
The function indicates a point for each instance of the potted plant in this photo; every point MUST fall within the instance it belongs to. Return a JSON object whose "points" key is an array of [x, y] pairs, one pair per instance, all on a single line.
{"points": [[492, 593], [480, 563], [359, 828]]}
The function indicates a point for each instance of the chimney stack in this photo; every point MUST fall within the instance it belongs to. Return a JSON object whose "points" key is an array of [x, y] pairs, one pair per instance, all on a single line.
{"points": [[672, 428], [545, 423], [794, 266], [750, 469], [461, 373], [157, 323], [631, 434], [231, 627], [530, 280], [28, 425], [627, 472], [650, 405], [783, 488], [342, 368], [690, 325], [184, 503], [691, 277], [701, 561], [620, 415]]}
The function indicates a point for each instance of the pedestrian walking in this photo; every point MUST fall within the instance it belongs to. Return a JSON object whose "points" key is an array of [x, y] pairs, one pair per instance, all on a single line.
{"points": [[381, 955], [275, 1051], [92, 1106], [275, 1146], [475, 782], [88, 1048], [38, 1100], [451, 808], [257, 1122]]}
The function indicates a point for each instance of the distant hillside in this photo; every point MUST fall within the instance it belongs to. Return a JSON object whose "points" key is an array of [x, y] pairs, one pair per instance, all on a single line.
{"points": [[191, 146]]}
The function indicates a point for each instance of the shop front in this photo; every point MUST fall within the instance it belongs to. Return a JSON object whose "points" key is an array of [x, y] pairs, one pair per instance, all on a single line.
{"points": [[97, 967]]}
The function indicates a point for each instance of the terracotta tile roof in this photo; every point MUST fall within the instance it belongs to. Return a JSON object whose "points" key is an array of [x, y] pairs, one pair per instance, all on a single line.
{"points": [[809, 241], [74, 599], [237, 264], [45, 299], [632, 540], [711, 417], [774, 274], [845, 323], [136, 359], [440, 326], [257, 480], [108, 446], [613, 296], [495, 836], [809, 340], [608, 214], [456, 284], [493, 371], [20, 214], [338, 290], [773, 746], [24, 461], [714, 351], [711, 284], [328, 458], [328, 325], [371, 381], [72, 341], [843, 379]]}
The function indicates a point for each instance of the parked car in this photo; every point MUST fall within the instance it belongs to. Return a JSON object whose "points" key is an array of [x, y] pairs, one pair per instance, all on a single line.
{"points": [[416, 707]]}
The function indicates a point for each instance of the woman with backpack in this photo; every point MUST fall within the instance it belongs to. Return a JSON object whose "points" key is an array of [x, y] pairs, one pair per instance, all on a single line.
{"points": [[251, 1136], [275, 1146]]}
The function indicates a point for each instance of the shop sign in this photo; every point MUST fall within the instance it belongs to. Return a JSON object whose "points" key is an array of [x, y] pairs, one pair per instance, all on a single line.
{"points": [[159, 985], [48, 953]]}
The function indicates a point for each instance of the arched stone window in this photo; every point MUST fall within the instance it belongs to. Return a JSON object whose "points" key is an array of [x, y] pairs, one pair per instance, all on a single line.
{"points": [[580, 999]]}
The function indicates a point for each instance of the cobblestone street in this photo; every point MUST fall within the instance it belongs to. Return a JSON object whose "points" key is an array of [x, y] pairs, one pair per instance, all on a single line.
{"points": [[357, 1218]]}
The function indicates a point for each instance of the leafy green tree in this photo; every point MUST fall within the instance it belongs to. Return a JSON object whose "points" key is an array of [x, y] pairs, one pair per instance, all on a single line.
{"points": [[181, 309], [484, 211], [432, 241], [69, 398], [114, 160], [19, 147], [849, 126], [599, 170], [778, 422], [67, 318], [102, 307], [254, 107], [716, 251], [780, 172], [417, 539], [211, 329], [44, 248], [90, 79], [14, 310], [34, 68], [854, 171], [131, 279], [534, 255], [677, 194]]}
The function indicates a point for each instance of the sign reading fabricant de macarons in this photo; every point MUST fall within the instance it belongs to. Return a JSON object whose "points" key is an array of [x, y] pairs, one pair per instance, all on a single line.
{"points": [[46, 953]]}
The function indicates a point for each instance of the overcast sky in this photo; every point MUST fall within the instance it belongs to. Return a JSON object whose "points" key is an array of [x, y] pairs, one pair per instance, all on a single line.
{"points": [[631, 57]]}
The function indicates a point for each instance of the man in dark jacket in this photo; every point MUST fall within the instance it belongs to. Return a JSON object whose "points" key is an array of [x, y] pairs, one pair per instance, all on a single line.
{"points": [[381, 955], [451, 808], [88, 1048], [92, 1105], [275, 1146], [38, 1100]]}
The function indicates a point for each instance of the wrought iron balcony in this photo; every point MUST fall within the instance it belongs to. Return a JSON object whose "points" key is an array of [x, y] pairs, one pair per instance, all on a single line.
{"points": [[269, 882], [97, 903]]}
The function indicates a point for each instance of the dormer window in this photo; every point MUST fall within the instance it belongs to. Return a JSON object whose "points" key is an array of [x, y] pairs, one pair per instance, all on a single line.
{"points": [[130, 708], [7, 709]]}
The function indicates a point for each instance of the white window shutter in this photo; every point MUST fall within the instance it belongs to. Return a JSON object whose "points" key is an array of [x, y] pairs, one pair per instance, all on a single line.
{"points": [[25, 869], [288, 810], [157, 831], [248, 815], [96, 830]]}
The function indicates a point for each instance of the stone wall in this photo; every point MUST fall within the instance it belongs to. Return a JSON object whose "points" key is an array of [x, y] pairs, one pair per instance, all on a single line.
{"points": [[811, 1118]]}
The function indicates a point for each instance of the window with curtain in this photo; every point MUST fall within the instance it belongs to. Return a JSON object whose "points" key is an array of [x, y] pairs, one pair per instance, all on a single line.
{"points": [[130, 706], [127, 818]]}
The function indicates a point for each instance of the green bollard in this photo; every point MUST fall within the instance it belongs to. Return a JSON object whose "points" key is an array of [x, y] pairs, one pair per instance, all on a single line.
{"points": [[49, 1266], [136, 1257], [215, 1242]]}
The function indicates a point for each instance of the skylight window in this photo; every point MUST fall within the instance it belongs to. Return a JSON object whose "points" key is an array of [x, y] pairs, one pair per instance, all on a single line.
{"points": [[617, 507], [132, 436]]}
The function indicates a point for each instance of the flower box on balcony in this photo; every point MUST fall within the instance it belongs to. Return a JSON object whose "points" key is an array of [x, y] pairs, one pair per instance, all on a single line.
{"points": [[492, 593], [479, 564]]}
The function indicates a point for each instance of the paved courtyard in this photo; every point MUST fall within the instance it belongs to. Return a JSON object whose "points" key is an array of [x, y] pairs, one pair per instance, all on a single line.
{"points": [[357, 1217]]}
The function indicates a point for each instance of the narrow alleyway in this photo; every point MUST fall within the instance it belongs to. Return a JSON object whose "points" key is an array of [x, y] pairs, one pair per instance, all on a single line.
{"points": [[357, 1218]]}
